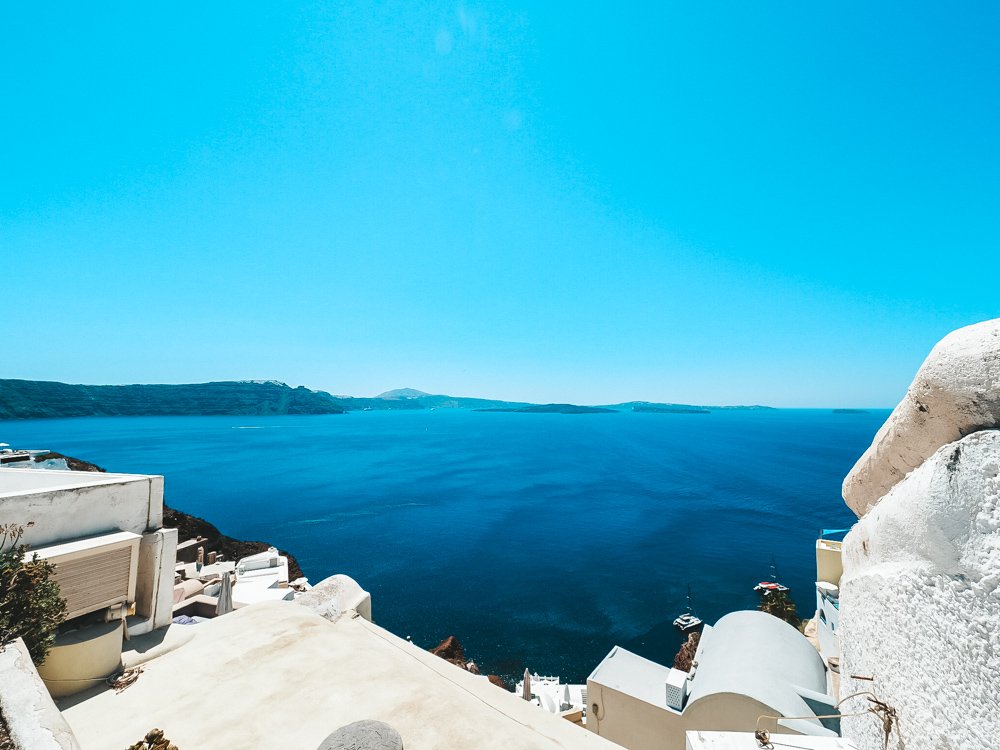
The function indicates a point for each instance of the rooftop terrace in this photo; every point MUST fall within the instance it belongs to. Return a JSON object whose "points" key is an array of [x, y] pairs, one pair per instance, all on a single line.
{"points": [[21, 481], [278, 675]]}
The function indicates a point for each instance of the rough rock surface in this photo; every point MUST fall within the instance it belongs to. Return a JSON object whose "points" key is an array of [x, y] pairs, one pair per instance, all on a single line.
{"points": [[190, 527], [500, 682], [364, 735], [920, 604], [685, 655], [450, 649], [955, 393], [73, 464]]}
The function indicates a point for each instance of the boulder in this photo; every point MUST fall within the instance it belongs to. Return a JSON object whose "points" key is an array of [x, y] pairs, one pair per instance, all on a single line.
{"points": [[364, 735], [920, 604], [500, 682], [684, 659], [450, 649], [955, 393]]}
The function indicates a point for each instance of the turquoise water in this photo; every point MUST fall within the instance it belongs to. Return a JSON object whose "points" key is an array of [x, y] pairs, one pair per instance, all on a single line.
{"points": [[540, 540]]}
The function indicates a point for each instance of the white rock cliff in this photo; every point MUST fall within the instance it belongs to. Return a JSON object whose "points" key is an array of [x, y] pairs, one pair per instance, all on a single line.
{"points": [[920, 594], [955, 393], [920, 603]]}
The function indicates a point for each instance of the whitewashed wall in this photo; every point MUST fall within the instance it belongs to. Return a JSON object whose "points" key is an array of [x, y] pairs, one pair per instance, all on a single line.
{"points": [[68, 505], [59, 506], [920, 604]]}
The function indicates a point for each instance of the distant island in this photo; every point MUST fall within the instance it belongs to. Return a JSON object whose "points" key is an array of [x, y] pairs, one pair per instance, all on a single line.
{"points": [[850, 411], [34, 399], [652, 406], [41, 399], [671, 409], [553, 409]]}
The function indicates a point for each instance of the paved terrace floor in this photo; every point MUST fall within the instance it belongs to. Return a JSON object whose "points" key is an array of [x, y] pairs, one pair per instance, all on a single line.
{"points": [[276, 675]]}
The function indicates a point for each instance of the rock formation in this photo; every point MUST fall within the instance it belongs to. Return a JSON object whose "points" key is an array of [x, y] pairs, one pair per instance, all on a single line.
{"points": [[500, 682], [685, 655], [73, 464], [955, 392], [192, 527], [364, 735], [920, 593], [451, 650]]}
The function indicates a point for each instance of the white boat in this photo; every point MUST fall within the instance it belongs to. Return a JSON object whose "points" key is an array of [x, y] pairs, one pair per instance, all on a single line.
{"points": [[772, 586], [768, 586], [688, 621]]}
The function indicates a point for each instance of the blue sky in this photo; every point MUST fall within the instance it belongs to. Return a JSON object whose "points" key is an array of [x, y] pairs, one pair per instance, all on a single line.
{"points": [[781, 203]]}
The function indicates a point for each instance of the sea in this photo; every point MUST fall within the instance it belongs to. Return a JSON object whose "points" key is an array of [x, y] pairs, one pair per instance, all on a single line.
{"points": [[538, 540]]}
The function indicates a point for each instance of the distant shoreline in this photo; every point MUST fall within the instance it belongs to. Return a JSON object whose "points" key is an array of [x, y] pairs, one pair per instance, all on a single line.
{"points": [[553, 409], [41, 399]]}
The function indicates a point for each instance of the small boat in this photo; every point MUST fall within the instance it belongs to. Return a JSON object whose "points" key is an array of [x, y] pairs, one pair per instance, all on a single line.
{"points": [[688, 621], [772, 586], [769, 586]]}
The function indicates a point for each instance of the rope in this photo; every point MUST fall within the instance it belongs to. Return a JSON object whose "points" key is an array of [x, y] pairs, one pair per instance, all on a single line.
{"points": [[879, 709], [121, 680]]}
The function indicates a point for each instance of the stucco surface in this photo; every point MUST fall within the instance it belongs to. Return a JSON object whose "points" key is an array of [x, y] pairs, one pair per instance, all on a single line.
{"points": [[31, 716], [278, 675], [332, 597], [62, 509], [757, 655], [955, 393], [920, 603]]}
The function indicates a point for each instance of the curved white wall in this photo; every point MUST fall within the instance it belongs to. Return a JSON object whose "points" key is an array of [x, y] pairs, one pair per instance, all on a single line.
{"points": [[920, 603]]}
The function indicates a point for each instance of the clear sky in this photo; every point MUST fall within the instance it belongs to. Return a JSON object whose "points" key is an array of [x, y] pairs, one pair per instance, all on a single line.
{"points": [[775, 202]]}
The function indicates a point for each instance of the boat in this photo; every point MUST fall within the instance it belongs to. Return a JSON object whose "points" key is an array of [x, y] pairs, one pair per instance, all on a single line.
{"points": [[772, 586], [688, 622], [768, 586]]}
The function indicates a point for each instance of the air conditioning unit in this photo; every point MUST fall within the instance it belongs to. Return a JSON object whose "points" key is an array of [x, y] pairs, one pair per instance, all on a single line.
{"points": [[677, 689], [94, 573]]}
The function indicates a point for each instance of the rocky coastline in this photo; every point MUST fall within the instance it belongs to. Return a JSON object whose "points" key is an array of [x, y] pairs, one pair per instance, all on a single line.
{"points": [[189, 526], [192, 527], [451, 650]]}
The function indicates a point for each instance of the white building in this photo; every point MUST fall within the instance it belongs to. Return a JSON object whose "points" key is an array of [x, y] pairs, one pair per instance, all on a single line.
{"points": [[114, 561], [562, 699], [751, 671], [829, 569]]}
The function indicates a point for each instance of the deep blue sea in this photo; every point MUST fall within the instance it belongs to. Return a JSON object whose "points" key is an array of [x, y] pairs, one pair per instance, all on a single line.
{"points": [[540, 540]]}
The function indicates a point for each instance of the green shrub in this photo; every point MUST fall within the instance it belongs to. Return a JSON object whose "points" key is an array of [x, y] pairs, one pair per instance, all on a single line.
{"points": [[30, 605]]}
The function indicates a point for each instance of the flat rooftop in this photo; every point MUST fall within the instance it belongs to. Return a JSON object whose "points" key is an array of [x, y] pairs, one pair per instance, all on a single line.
{"points": [[633, 675], [28, 481], [278, 675]]}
